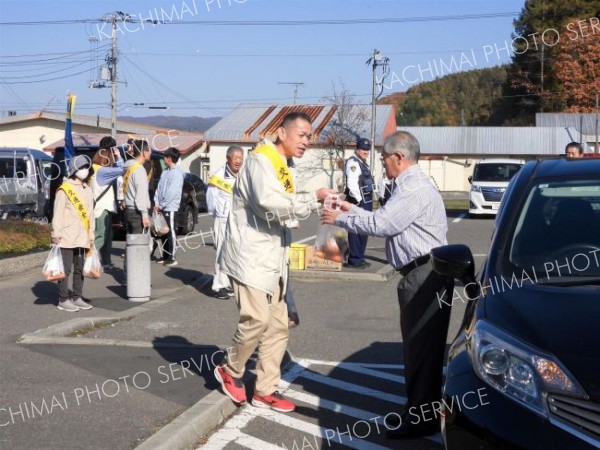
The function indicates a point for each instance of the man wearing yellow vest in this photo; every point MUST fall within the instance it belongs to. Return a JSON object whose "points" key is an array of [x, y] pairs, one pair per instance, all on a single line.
{"points": [[73, 227], [255, 255], [218, 202], [135, 188]]}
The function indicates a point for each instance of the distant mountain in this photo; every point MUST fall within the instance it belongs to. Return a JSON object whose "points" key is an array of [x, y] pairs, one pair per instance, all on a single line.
{"points": [[195, 124]]}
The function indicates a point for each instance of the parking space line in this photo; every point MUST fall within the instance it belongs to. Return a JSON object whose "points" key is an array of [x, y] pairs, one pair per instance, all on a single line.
{"points": [[359, 368], [459, 218], [308, 239]]}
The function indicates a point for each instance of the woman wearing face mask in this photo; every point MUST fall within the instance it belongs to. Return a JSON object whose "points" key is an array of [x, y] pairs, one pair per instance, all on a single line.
{"points": [[73, 228]]}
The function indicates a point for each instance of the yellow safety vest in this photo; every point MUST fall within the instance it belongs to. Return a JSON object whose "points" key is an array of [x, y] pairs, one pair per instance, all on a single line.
{"points": [[281, 169], [221, 183], [77, 204], [128, 175]]}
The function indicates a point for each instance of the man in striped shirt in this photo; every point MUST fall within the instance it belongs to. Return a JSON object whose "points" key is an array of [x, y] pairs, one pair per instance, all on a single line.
{"points": [[413, 221]]}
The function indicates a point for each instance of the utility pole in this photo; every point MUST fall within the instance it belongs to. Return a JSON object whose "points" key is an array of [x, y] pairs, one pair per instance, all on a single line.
{"points": [[112, 67], [296, 84], [109, 73], [377, 60]]}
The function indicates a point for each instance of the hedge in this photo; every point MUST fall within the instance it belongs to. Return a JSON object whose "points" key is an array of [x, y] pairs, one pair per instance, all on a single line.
{"points": [[18, 237]]}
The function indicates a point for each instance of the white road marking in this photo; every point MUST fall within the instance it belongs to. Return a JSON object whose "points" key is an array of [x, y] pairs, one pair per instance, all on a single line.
{"points": [[231, 431], [308, 239], [359, 368], [315, 430], [459, 218], [355, 388]]}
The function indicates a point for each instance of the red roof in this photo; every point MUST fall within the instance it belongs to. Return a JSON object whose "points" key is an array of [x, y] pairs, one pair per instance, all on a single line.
{"points": [[159, 141]]}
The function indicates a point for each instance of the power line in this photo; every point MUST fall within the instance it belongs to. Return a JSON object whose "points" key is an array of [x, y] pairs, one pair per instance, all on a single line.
{"points": [[43, 81], [284, 22]]}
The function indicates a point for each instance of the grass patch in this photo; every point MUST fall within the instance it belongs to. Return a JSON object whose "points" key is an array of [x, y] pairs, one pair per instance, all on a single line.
{"points": [[18, 237]]}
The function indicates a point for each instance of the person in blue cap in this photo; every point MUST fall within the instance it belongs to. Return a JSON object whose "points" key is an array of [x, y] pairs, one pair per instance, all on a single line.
{"points": [[359, 191]]}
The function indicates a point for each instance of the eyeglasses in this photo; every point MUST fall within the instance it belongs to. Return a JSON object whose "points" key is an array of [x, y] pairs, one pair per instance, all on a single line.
{"points": [[384, 156]]}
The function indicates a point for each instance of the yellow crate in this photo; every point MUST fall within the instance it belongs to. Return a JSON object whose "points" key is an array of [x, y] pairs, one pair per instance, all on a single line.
{"points": [[297, 256]]}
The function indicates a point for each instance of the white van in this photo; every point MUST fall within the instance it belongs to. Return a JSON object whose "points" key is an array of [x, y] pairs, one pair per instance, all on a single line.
{"points": [[488, 183]]}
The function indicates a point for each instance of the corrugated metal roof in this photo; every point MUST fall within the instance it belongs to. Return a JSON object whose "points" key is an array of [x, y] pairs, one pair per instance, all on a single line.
{"points": [[251, 122], [184, 142], [492, 140], [584, 122]]}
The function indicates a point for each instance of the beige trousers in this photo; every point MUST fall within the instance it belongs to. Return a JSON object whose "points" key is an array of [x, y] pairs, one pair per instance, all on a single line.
{"points": [[264, 323]]}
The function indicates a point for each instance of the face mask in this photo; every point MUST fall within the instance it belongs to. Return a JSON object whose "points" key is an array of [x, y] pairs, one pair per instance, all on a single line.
{"points": [[82, 174]]}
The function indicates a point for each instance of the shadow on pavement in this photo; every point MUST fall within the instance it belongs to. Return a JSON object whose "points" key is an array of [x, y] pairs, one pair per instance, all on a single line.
{"points": [[46, 293]]}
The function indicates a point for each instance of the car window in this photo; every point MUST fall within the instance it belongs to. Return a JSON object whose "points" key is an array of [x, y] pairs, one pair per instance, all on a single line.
{"points": [[8, 169], [558, 229], [495, 171]]}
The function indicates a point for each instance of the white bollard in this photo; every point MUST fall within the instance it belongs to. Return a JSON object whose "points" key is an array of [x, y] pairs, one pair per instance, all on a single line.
{"points": [[138, 267]]}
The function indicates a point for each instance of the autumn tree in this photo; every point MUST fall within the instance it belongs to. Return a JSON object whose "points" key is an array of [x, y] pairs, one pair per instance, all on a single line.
{"points": [[532, 81], [465, 98], [577, 68]]}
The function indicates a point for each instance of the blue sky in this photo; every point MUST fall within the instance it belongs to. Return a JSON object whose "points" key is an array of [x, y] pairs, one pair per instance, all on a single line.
{"points": [[207, 68]]}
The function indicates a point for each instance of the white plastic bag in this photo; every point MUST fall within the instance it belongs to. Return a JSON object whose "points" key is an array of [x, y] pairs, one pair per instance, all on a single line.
{"points": [[160, 227], [332, 243], [92, 267], [54, 268]]}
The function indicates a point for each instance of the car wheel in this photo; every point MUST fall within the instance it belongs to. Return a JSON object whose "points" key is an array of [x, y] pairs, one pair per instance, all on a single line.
{"points": [[189, 220]]}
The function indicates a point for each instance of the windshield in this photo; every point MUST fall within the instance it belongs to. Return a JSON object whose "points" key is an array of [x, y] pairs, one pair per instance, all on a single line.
{"points": [[558, 230], [495, 171]]}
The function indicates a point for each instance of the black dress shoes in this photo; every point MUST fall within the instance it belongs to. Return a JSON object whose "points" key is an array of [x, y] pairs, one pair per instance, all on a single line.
{"points": [[362, 265]]}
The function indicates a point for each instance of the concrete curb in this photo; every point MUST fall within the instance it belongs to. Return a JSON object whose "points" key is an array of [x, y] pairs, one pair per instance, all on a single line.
{"points": [[386, 273], [58, 333], [200, 420], [19, 264], [186, 429]]}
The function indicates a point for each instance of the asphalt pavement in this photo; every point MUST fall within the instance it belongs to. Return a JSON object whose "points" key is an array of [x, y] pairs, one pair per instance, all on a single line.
{"points": [[115, 375], [129, 375]]}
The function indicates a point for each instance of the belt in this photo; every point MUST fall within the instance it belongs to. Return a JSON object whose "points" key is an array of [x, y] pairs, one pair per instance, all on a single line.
{"points": [[417, 262]]}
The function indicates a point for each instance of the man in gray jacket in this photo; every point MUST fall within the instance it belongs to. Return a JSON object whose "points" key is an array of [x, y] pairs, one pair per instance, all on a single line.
{"points": [[166, 200], [255, 255], [135, 188]]}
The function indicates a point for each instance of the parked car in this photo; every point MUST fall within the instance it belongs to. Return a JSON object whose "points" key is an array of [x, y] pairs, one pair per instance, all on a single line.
{"points": [[488, 183], [24, 182], [529, 337], [193, 195]]}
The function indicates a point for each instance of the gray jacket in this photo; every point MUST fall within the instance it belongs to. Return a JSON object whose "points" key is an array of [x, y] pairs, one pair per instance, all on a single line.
{"points": [[136, 193]]}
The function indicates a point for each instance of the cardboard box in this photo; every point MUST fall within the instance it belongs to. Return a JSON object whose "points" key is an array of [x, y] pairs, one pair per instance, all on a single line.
{"points": [[312, 262]]}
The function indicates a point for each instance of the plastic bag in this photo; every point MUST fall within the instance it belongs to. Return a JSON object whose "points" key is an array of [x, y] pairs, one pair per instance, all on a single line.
{"points": [[160, 227], [54, 268], [332, 243], [92, 267]]}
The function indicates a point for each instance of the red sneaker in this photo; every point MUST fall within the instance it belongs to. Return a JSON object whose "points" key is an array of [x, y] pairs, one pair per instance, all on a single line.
{"points": [[232, 387], [275, 401]]}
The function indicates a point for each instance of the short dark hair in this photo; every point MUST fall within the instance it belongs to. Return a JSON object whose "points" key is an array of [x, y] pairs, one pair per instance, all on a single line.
{"points": [[290, 117], [172, 153], [576, 145], [138, 146], [108, 142]]}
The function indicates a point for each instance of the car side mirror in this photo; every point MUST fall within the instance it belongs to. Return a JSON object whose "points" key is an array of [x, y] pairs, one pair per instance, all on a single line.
{"points": [[470, 179], [456, 261]]}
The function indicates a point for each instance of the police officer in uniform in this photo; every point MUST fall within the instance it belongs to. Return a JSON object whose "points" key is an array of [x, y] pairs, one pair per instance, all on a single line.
{"points": [[359, 191]]}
